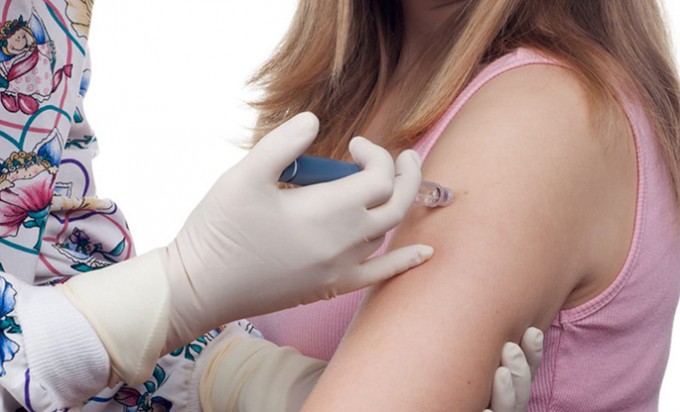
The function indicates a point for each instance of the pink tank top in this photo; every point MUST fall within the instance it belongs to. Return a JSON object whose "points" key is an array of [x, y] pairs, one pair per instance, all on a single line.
{"points": [[608, 354]]}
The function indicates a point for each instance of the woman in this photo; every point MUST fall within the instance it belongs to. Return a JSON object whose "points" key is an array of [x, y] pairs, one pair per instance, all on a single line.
{"points": [[557, 125], [83, 322]]}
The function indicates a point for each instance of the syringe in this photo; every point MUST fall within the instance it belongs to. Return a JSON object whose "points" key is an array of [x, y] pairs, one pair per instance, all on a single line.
{"points": [[308, 170]]}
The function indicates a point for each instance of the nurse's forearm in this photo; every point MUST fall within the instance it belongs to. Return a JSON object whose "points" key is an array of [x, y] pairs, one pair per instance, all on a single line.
{"points": [[235, 378], [236, 374]]}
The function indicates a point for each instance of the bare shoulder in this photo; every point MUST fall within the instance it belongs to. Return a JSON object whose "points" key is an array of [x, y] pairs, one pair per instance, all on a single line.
{"points": [[543, 106], [529, 139], [537, 194]]}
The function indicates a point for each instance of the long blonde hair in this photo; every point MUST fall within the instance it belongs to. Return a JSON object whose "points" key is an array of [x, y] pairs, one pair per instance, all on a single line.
{"points": [[338, 56]]}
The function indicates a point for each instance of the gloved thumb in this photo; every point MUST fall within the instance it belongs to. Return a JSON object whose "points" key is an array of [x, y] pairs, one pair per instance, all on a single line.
{"points": [[393, 263], [503, 392], [281, 147], [532, 346], [513, 358]]}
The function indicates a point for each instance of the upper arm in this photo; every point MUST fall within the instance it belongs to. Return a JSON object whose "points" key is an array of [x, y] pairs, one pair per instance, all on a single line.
{"points": [[524, 166]]}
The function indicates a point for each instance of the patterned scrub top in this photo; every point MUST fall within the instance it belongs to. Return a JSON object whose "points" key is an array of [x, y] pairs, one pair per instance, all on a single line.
{"points": [[53, 226]]}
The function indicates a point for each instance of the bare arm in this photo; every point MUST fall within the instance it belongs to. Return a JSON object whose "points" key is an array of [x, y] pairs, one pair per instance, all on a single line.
{"points": [[536, 189]]}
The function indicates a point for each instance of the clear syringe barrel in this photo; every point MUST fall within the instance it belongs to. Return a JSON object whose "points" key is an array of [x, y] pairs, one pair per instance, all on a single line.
{"points": [[432, 194]]}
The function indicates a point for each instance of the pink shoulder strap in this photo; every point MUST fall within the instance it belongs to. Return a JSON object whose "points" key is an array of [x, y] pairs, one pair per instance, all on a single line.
{"points": [[518, 58]]}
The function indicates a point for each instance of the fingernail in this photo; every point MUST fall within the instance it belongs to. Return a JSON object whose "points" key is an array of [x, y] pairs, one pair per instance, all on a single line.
{"points": [[306, 117], [514, 351], [305, 123], [424, 253], [518, 359], [416, 157], [539, 338], [505, 376], [357, 139]]}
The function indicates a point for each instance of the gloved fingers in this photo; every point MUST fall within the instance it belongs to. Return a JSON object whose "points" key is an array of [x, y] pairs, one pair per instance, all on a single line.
{"points": [[370, 245], [513, 358], [376, 161], [280, 147], [390, 264], [532, 346], [370, 187], [406, 185], [503, 391]]}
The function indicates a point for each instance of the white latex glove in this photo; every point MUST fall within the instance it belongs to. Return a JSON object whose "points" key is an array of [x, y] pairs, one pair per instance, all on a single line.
{"points": [[512, 382], [271, 249], [250, 248], [238, 367]]}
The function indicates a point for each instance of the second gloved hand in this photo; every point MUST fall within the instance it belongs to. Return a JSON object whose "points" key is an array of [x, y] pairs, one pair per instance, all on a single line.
{"points": [[237, 367]]}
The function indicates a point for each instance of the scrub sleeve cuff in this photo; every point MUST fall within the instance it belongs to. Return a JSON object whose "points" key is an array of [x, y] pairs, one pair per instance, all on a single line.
{"points": [[65, 356]]}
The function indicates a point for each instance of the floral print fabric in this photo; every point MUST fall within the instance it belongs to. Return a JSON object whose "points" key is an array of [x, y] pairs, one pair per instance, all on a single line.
{"points": [[52, 225]]}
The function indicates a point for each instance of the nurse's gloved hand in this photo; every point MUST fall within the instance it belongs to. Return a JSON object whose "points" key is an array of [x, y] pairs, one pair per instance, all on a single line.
{"points": [[251, 247], [512, 382]]}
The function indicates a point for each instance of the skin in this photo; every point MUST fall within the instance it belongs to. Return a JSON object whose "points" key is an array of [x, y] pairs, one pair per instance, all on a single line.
{"points": [[542, 221], [419, 19], [421, 16]]}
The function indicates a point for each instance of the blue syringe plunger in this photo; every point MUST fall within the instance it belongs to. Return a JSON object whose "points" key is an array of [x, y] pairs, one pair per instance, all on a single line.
{"points": [[308, 170]]}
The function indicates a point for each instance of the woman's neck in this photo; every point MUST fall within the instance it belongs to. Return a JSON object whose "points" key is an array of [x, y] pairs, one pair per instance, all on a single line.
{"points": [[422, 17]]}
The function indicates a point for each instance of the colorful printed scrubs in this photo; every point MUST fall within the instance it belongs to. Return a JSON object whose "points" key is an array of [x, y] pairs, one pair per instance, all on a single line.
{"points": [[52, 225]]}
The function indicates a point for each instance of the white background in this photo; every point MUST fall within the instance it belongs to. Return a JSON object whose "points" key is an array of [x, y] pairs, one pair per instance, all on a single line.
{"points": [[166, 101]]}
